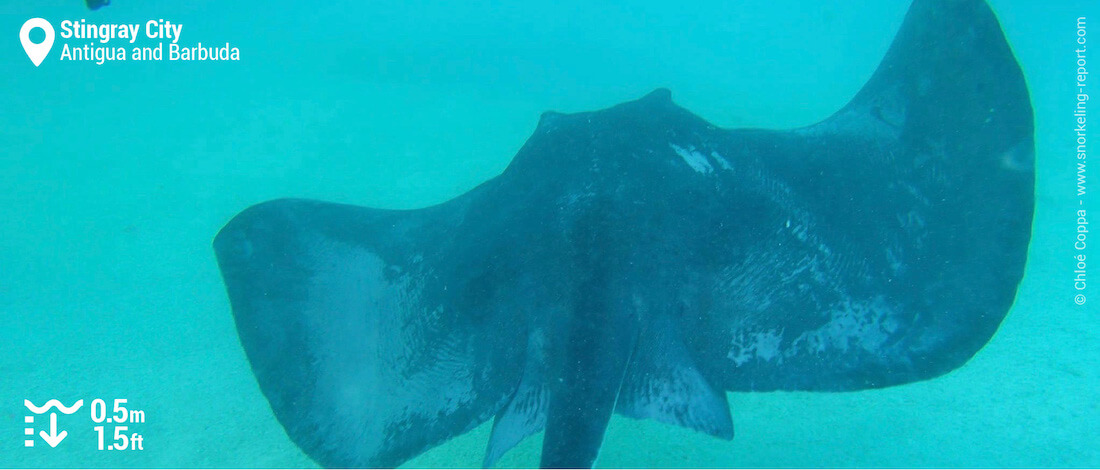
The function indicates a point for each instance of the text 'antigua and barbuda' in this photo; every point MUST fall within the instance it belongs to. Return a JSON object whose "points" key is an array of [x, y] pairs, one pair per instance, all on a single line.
{"points": [[115, 42]]}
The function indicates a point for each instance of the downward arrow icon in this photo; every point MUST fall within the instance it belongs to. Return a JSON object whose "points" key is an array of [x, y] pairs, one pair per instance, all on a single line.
{"points": [[53, 438]]}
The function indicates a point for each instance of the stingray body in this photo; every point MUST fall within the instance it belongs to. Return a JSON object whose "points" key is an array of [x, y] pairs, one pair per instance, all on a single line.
{"points": [[638, 260]]}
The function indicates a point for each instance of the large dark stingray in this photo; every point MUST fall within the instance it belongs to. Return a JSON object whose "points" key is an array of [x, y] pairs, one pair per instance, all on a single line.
{"points": [[639, 260]]}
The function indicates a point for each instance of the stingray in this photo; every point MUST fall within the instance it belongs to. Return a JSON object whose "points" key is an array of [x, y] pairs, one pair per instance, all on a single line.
{"points": [[638, 260]]}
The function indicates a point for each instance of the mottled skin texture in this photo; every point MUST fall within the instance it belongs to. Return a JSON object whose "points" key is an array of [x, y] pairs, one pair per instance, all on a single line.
{"points": [[642, 261]]}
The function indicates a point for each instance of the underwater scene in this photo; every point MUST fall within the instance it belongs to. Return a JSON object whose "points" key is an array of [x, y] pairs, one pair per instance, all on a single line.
{"points": [[478, 233]]}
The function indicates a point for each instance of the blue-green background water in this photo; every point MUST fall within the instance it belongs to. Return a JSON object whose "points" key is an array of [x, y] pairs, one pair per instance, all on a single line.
{"points": [[114, 179]]}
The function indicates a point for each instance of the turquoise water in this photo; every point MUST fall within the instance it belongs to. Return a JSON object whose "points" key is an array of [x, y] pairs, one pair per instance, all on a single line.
{"points": [[114, 179]]}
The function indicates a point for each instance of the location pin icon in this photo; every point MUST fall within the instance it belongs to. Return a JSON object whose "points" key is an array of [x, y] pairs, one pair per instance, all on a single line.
{"points": [[37, 52]]}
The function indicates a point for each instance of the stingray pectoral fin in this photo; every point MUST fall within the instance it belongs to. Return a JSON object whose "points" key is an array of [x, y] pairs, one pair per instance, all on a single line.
{"points": [[345, 317], [890, 238]]}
